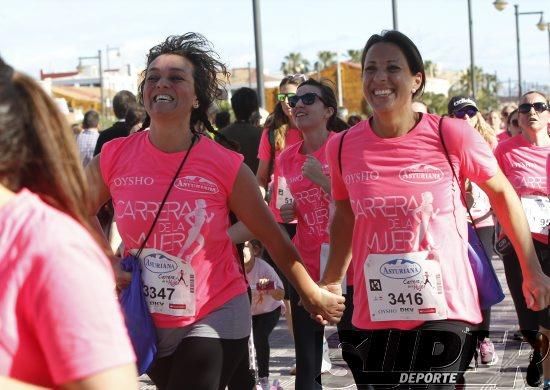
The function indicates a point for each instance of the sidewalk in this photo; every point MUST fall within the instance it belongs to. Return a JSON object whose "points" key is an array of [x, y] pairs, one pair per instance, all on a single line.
{"points": [[508, 373]]}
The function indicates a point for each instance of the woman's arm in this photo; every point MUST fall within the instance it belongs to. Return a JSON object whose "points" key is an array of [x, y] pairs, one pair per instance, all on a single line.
{"points": [[262, 174], [99, 195], [245, 201], [13, 384], [123, 377], [341, 233], [313, 170], [510, 214]]}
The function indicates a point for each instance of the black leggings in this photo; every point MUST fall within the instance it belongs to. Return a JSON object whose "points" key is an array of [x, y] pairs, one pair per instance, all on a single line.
{"points": [[290, 228], [308, 342], [201, 363], [436, 347], [262, 326], [529, 320]]}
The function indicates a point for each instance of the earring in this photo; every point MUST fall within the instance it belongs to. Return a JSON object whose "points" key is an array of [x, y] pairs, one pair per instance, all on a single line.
{"points": [[413, 91], [196, 105]]}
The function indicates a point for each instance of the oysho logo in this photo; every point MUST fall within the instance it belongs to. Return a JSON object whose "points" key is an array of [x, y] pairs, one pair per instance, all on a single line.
{"points": [[400, 269], [133, 181], [196, 184], [420, 174], [159, 263]]}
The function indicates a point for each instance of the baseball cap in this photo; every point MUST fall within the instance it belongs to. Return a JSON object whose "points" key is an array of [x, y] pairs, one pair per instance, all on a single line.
{"points": [[459, 102]]}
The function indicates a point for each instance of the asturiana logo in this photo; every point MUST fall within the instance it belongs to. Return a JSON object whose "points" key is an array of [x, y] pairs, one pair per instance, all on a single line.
{"points": [[400, 269], [159, 263], [196, 184], [420, 174]]}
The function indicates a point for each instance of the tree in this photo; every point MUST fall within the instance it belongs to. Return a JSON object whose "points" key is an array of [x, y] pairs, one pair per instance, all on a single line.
{"points": [[487, 86], [430, 68], [294, 63], [354, 55], [436, 102], [325, 59]]}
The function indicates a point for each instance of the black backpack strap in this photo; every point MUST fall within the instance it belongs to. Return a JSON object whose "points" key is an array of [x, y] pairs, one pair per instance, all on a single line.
{"points": [[340, 150]]}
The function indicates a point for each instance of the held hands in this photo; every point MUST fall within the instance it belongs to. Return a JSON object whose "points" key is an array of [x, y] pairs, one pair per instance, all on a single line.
{"points": [[536, 290], [288, 213], [313, 170], [327, 305]]}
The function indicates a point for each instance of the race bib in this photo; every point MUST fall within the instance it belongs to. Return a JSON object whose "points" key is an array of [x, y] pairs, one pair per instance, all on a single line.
{"points": [[284, 195], [537, 210], [323, 265], [405, 286], [168, 283]]}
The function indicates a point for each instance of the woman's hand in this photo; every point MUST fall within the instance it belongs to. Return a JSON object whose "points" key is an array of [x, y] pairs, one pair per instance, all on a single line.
{"points": [[288, 213], [122, 278], [325, 307], [313, 170], [536, 290]]}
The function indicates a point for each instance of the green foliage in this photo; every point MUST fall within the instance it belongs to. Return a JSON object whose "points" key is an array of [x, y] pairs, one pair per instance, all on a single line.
{"points": [[354, 55], [325, 59], [487, 86], [436, 102], [294, 63]]}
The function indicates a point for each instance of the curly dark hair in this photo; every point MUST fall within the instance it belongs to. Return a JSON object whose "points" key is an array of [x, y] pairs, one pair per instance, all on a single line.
{"points": [[209, 74]]}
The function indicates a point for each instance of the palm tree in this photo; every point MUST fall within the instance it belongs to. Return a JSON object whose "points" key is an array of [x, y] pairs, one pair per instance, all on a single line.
{"points": [[326, 59], [354, 55], [430, 68], [294, 63]]}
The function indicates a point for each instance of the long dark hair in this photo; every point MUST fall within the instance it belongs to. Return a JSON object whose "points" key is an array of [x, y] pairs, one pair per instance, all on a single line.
{"points": [[209, 75], [278, 122], [37, 148], [334, 123]]}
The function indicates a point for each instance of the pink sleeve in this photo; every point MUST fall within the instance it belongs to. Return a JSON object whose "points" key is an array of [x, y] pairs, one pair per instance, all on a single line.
{"points": [[339, 190], [109, 152], [77, 318], [477, 161], [264, 150]]}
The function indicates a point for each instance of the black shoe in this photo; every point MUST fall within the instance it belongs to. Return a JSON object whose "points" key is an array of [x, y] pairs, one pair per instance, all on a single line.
{"points": [[534, 370]]}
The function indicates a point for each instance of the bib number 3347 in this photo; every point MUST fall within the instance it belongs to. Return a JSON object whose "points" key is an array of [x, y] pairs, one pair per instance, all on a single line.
{"points": [[168, 283], [404, 286]]}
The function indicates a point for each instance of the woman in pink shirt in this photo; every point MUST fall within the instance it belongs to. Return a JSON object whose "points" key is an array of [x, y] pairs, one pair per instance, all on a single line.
{"points": [[305, 170], [60, 323], [172, 190], [400, 219], [524, 160]]}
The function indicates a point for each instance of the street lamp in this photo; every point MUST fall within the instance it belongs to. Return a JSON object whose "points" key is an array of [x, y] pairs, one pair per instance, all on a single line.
{"points": [[472, 66], [394, 13], [259, 52], [98, 58], [500, 5]]}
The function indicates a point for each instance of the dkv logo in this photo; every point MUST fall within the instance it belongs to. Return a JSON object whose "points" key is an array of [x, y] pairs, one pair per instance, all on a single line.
{"points": [[420, 174], [400, 269], [196, 184]]}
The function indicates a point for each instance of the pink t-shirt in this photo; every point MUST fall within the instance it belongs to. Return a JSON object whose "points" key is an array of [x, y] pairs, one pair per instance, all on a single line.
{"points": [[503, 136], [481, 208], [195, 217], [389, 181], [311, 204], [264, 154], [527, 168], [60, 320]]}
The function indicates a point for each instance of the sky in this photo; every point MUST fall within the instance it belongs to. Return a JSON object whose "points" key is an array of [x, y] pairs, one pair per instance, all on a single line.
{"points": [[52, 34]]}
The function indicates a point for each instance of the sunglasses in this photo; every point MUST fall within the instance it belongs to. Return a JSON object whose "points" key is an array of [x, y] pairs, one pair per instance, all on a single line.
{"points": [[525, 108], [470, 111], [283, 96], [307, 98]]}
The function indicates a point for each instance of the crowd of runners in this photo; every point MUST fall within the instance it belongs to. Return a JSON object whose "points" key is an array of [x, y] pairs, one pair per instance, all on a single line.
{"points": [[359, 222]]}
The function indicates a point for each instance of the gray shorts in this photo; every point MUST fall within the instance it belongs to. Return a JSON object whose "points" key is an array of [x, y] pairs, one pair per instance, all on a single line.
{"points": [[231, 321]]}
